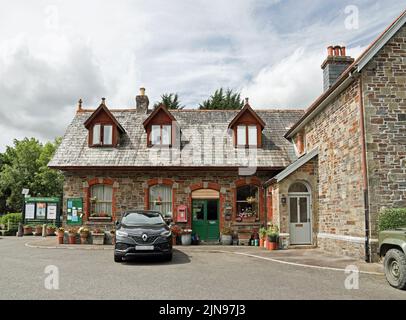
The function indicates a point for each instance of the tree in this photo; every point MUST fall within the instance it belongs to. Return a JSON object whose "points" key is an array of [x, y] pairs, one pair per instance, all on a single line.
{"points": [[170, 101], [223, 101], [25, 166]]}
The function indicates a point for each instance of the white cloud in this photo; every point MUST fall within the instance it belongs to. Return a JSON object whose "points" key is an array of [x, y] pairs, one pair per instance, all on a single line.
{"points": [[54, 52]]}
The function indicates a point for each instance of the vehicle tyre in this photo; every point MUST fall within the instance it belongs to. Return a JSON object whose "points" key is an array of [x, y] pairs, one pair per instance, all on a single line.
{"points": [[395, 268], [168, 257], [118, 258]]}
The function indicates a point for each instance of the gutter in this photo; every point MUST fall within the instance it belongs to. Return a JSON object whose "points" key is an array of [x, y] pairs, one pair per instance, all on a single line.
{"points": [[364, 165]]}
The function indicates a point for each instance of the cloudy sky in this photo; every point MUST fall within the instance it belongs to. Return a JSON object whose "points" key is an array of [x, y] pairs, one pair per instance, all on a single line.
{"points": [[53, 52]]}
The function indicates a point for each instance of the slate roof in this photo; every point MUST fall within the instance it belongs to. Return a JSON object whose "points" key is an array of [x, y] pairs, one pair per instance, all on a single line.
{"points": [[216, 149]]}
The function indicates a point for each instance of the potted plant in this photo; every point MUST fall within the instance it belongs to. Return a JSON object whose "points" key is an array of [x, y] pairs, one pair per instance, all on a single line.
{"points": [[272, 233], [262, 236], [98, 236], [84, 234], [72, 232], [51, 230], [186, 237], [27, 230], [61, 233], [38, 230], [176, 232], [113, 237], [226, 237]]}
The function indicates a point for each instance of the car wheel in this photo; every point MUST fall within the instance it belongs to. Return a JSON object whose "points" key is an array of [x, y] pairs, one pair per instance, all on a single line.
{"points": [[118, 258], [395, 268]]}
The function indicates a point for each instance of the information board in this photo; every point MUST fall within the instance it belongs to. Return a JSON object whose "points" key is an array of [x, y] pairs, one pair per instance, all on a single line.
{"points": [[74, 208]]}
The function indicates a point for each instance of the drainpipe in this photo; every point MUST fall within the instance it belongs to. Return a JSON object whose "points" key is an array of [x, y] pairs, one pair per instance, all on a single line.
{"points": [[364, 170]]}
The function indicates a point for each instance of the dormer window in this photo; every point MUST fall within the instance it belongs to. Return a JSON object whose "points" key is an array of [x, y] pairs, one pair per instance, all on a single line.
{"points": [[161, 135], [247, 135], [102, 135], [159, 128], [247, 127], [104, 129]]}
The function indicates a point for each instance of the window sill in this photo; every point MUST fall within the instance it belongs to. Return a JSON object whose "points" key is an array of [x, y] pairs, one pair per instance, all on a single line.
{"points": [[100, 219]]}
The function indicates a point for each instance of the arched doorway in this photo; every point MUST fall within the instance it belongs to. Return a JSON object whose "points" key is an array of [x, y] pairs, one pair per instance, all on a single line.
{"points": [[205, 214], [300, 216]]}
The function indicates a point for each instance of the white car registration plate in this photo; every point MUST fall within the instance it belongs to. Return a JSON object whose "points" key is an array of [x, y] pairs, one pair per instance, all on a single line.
{"points": [[144, 247]]}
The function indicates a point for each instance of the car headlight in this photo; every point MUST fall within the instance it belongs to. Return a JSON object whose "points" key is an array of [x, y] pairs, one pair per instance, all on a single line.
{"points": [[121, 233], [166, 233]]}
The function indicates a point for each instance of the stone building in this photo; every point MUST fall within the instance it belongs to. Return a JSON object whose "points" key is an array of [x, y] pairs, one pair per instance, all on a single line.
{"points": [[322, 174], [351, 148]]}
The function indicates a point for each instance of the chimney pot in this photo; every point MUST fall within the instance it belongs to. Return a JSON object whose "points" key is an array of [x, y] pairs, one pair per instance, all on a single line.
{"points": [[343, 52], [247, 100], [330, 51], [103, 101], [337, 50]]}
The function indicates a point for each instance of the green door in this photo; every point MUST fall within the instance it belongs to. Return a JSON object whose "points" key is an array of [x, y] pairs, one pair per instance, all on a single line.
{"points": [[205, 217]]}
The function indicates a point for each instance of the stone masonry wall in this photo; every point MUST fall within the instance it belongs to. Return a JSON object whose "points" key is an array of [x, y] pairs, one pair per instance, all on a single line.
{"points": [[131, 187], [336, 133], [307, 173], [384, 94]]}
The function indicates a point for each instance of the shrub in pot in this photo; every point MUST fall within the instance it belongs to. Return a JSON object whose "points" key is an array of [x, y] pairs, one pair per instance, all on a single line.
{"points": [[84, 234], [51, 230], [61, 233], [38, 230], [186, 237], [98, 236], [176, 232], [272, 233], [262, 236], [226, 236], [72, 232], [27, 230]]}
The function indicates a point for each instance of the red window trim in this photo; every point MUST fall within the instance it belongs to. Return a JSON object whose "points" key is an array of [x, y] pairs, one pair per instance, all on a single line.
{"points": [[101, 144], [246, 145], [160, 136]]}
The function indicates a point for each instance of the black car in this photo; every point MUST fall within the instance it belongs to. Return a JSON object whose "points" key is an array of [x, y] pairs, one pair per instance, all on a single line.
{"points": [[142, 233]]}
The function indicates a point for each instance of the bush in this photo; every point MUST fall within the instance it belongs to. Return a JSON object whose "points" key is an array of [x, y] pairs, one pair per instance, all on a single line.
{"points": [[392, 219], [12, 217]]}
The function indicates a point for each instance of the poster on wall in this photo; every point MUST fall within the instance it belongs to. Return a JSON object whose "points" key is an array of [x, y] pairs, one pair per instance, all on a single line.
{"points": [[74, 210], [29, 210], [51, 211], [41, 210]]}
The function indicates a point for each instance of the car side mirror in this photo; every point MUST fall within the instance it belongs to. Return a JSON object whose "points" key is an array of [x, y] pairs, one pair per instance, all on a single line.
{"points": [[168, 221], [117, 223]]}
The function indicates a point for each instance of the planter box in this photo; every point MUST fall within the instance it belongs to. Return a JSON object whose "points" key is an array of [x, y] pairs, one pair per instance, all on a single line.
{"points": [[226, 240], [186, 239], [100, 219], [98, 238]]}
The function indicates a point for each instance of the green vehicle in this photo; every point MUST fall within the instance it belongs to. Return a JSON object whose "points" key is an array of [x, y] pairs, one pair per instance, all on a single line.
{"points": [[392, 246]]}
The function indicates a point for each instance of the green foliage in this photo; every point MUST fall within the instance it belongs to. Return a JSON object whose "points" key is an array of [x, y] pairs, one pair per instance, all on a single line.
{"points": [[170, 101], [221, 100], [392, 219], [273, 232], [14, 218], [262, 232], [25, 166]]}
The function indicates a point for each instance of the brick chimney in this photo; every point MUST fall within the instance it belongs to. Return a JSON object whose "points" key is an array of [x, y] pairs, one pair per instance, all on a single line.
{"points": [[335, 64], [142, 101]]}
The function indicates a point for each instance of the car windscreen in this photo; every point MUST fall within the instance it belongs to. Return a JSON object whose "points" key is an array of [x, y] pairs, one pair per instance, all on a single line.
{"points": [[144, 218]]}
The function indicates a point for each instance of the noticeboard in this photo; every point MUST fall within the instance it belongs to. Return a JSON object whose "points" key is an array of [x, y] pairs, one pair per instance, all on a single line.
{"points": [[74, 211], [41, 210]]}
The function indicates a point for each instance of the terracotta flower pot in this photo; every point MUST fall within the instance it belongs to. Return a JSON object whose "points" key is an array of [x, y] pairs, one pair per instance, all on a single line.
{"points": [[38, 230], [50, 231], [174, 240], [83, 239], [60, 239], [27, 231], [261, 242], [72, 238], [272, 246]]}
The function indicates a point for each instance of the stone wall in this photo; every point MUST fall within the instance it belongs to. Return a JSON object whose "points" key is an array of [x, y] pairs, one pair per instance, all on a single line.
{"points": [[336, 133], [132, 188], [384, 94], [308, 174]]}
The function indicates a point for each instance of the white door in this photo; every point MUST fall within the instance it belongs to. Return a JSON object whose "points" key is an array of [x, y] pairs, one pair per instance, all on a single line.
{"points": [[300, 220]]}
